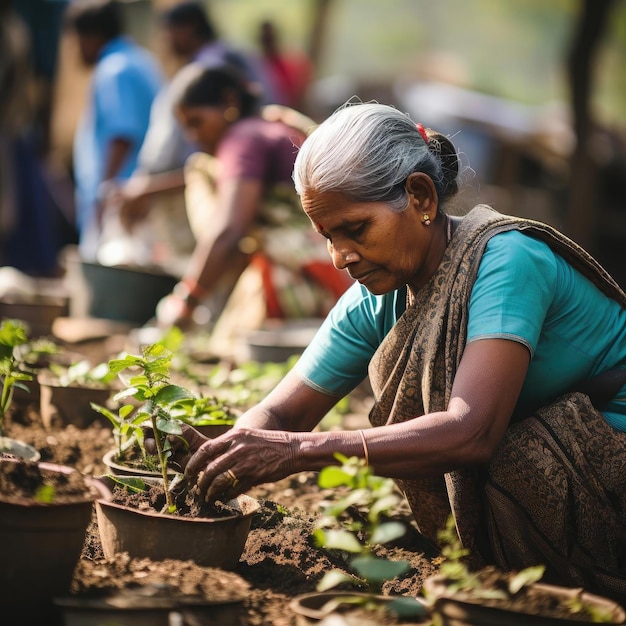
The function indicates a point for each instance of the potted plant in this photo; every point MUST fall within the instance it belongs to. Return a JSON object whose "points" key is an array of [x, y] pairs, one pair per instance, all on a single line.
{"points": [[44, 512], [147, 516], [460, 597], [13, 334], [207, 414], [375, 497], [66, 393]]}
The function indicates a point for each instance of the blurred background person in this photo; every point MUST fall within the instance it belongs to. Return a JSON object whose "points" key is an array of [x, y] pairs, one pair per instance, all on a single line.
{"points": [[289, 71], [33, 224], [157, 185], [252, 238], [125, 81]]}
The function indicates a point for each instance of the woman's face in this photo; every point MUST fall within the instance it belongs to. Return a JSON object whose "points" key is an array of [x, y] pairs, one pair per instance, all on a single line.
{"points": [[381, 248], [204, 125]]}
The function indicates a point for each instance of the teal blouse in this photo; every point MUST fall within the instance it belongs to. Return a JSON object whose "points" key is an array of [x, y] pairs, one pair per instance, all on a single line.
{"points": [[523, 292]]}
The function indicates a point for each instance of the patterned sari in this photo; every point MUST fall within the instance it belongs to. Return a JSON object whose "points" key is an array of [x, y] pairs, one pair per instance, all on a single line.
{"points": [[555, 491]]}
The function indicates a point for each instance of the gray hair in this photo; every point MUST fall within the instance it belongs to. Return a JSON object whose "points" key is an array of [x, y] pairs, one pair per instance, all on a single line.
{"points": [[367, 151]]}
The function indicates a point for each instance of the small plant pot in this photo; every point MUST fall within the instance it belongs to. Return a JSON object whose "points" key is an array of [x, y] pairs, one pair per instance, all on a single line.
{"points": [[64, 405], [118, 468], [39, 314], [459, 609], [18, 449], [147, 606], [312, 608], [42, 542], [212, 542]]}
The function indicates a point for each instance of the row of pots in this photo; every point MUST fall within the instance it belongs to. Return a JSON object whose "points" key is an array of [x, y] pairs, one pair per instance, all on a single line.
{"points": [[44, 541]]}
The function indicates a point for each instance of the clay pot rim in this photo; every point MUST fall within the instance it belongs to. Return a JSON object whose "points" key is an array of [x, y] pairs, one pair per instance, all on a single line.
{"points": [[435, 583], [298, 604], [251, 502]]}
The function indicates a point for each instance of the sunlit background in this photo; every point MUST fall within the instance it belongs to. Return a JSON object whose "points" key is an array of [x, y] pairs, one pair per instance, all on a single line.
{"points": [[493, 75]]}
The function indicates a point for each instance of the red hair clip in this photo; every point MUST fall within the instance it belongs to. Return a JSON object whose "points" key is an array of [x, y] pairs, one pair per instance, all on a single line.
{"points": [[422, 132]]}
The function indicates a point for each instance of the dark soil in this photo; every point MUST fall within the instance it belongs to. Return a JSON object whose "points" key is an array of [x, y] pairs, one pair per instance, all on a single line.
{"points": [[280, 559]]}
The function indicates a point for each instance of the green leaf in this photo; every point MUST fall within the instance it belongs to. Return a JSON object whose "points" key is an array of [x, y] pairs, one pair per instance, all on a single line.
{"points": [[387, 532], [129, 482], [169, 426], [126, 410], [129, 392], [341, 540], [117, 365], [526, 577], [405, 606], [378, 570], [172, 393], [332, 579], [333, 476], [45, 494], [104, 411]]}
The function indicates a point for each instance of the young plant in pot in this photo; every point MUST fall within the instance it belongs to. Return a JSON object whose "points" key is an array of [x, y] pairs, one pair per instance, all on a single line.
{"points": [[66, 393], [460, 597], [162, 517], [373, 497], [13, 334], [44, 513]]}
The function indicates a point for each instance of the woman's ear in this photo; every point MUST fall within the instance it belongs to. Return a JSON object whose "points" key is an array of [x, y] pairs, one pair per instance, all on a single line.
{"points": [[422, 193]]}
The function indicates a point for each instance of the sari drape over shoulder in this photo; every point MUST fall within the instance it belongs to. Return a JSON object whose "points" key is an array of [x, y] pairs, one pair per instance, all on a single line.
{"points": [[555, 492]]}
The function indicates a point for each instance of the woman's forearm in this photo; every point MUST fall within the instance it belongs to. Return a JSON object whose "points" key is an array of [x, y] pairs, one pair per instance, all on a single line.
{"points": [[407, 450]]}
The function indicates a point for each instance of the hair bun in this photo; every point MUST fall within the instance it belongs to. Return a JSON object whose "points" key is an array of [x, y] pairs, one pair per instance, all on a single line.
{"points": [[442, 148]]}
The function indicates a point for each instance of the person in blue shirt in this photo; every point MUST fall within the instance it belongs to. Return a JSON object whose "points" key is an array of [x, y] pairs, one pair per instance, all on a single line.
{"points": [[496, 351], [125, 81]]}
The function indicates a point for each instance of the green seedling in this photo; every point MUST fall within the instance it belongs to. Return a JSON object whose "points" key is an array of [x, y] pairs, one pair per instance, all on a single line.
{"points": [[13, 335], [374, 498], [498, 586], [83, 374], [147, 381]]}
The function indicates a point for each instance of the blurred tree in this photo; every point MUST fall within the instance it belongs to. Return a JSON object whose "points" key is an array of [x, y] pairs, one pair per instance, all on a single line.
{"points": [[582, 210]]}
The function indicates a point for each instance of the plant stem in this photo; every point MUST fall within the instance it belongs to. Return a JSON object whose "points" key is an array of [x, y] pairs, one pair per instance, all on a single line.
{"points": [[162, 463], [5, 401]]}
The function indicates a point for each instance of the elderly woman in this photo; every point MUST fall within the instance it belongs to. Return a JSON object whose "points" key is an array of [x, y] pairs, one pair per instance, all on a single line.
{"points": [[496, 350]]}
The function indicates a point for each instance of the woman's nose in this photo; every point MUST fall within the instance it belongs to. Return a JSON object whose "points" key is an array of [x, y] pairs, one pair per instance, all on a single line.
{"points": [[342, 258]]}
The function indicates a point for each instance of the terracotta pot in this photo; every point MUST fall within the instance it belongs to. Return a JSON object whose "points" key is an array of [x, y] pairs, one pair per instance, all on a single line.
{"points": [[458, 609], [18, 449], [41, 545], [39, 315], [119, 469], [63, 405], [212, 542], [148, 607], [312, 608]]}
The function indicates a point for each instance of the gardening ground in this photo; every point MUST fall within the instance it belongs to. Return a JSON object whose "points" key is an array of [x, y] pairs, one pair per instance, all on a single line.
{"points": [[280, 559]]}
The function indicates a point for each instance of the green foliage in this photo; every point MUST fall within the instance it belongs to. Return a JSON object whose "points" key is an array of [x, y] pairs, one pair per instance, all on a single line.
{"points": [[198, 411], [82, 373], [490, 584], [336, 530], [147, 381], [13, 334]]}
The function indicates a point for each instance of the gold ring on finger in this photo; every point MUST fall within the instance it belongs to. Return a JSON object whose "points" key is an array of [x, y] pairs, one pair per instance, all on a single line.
{"points": [[233, 479]]}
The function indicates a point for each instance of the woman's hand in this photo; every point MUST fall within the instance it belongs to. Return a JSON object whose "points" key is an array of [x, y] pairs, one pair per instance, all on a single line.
{"points": [[240, 459], [182, 446], [174, 311]]}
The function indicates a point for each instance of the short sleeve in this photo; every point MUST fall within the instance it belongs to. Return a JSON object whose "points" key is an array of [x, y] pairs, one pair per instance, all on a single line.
{"points": [[120, 96], [337, 359], [514, 289], [243, 155]]}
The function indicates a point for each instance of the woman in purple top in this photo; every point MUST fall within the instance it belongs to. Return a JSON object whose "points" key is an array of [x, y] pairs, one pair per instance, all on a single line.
{"points": [[246, 215]]}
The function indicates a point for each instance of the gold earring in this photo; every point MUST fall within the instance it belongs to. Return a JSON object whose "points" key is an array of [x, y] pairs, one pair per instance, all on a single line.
{"points": [[426, 219], [231, 114]]}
